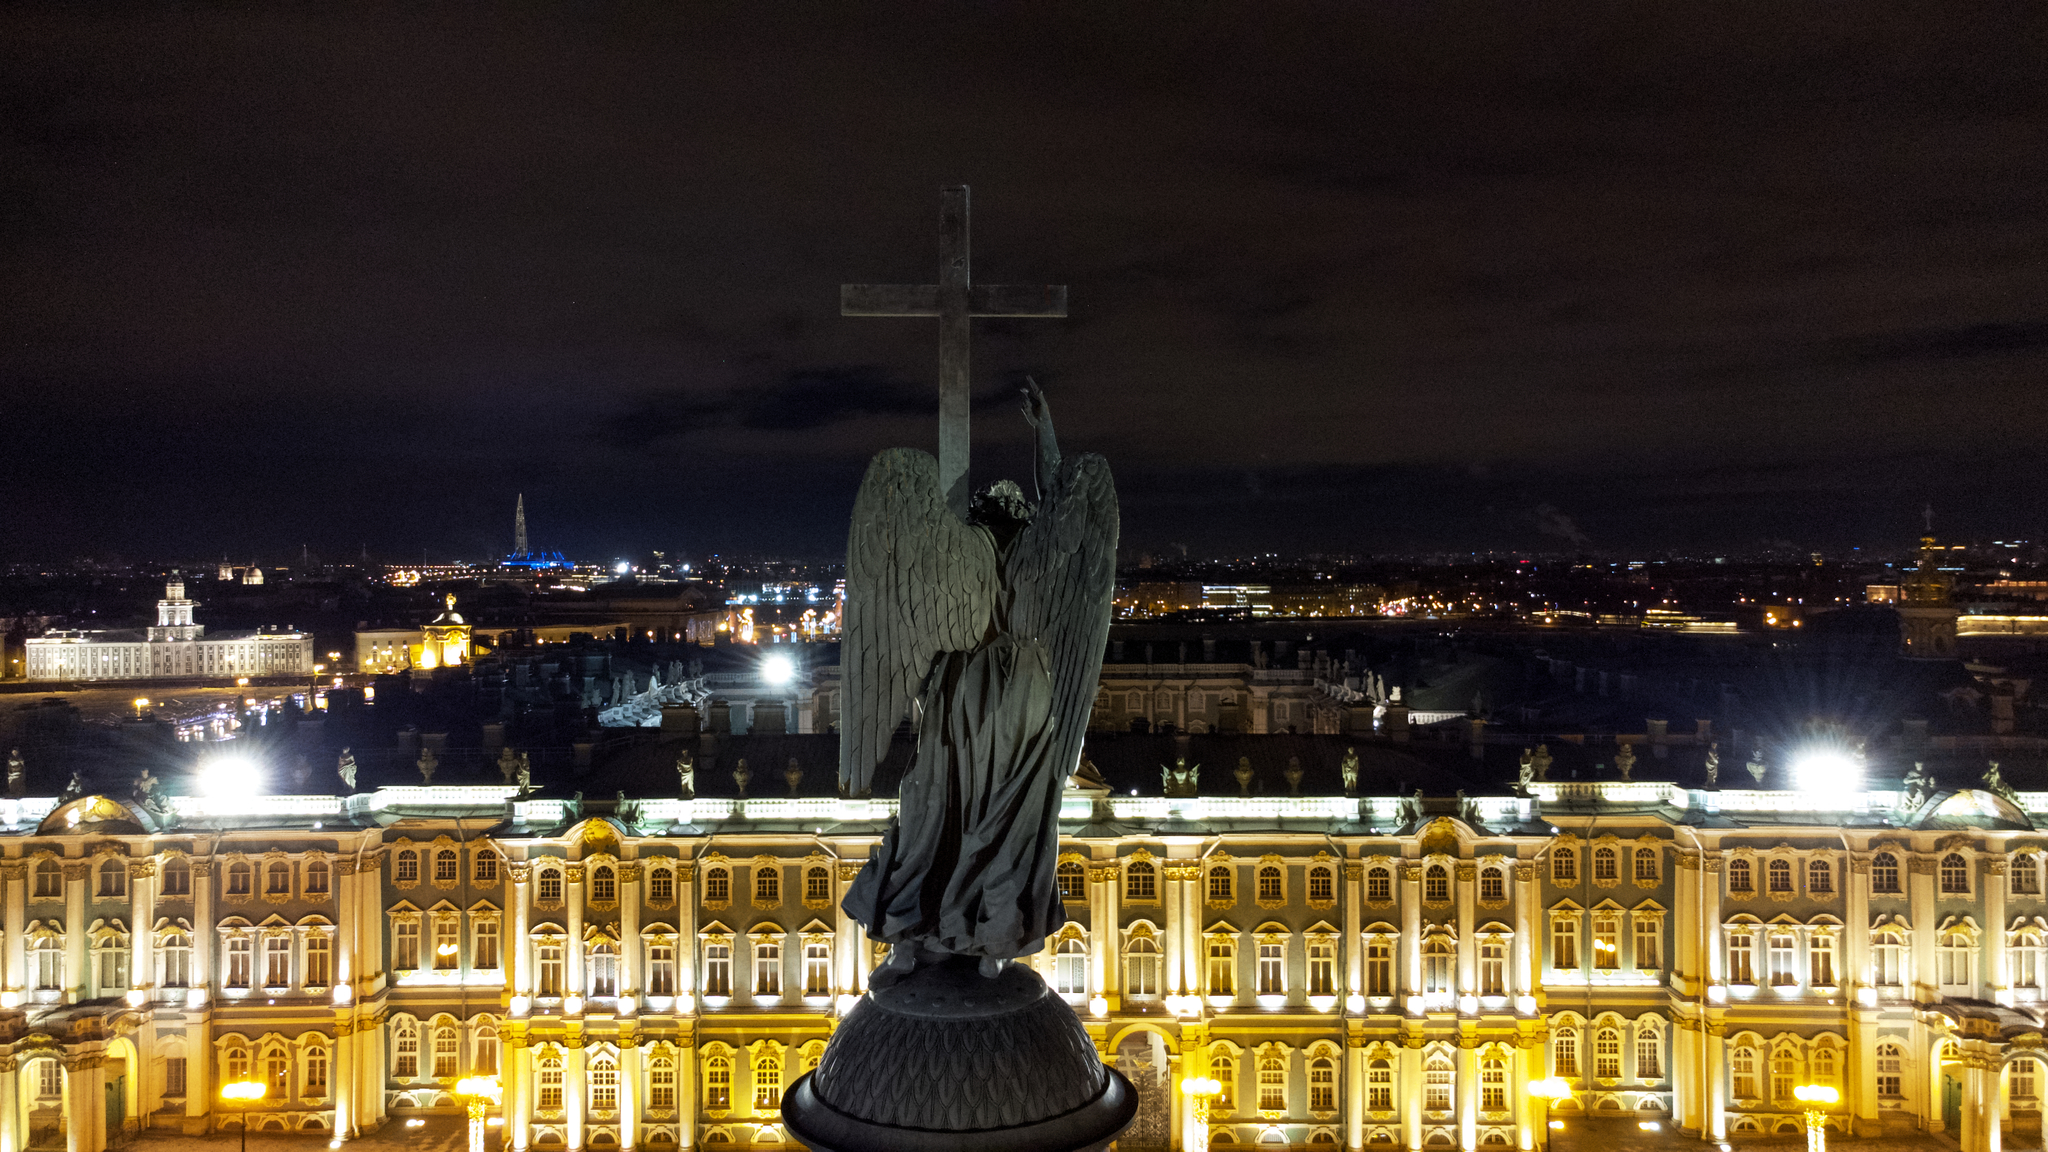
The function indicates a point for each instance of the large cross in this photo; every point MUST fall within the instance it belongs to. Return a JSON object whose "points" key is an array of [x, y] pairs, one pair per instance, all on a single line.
{"points": [[954, 299]]}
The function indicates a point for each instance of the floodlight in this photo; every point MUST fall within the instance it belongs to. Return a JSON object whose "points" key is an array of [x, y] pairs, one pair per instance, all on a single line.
{"points": [[777, 669], [230, 775], [1826, 768]]}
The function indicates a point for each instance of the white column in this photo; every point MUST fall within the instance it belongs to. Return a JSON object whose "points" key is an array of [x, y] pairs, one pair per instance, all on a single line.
{"points": [[11, 1136], [1468, 1099], [630, 947], [1528, 938], [574, 1086], [517, 951], [77, 978], [1997, 981], [1467, 873], [574, 952], [630, 1072], [1411, 929], [517, 1090], [14, 914], [1354, 944], [142, 921]]}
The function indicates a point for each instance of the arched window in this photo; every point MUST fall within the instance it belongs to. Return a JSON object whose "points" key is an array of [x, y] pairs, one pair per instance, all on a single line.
{"points": [[1437, 1078], [1820, 878], [1073, 881], [717, 885], [1784, 1074], [277, 879], [1379, 1086], [1646, 865], [1607, 1054], [445, 866], [1379, 885], [445, 1049], [1436, 884], [1141, 881], [1221, 884], [549, 888], [1438, 958], [550, 1083], [768, 884], [1493, 1084], [1649, 1054], [177, 877], [767, 1082], [406, 870], [604, 884], [1955, 875], [1742, 1069], [1564, 1052], [1070, 968], [316, 1073], [1322, 1084], [1604, 864], [1141, 967], [486, 870], [1272, 883], [1564, 866], [316, 877], [485, 1062], [661, 885], [1493, 885], [1780, 873], [241, 879], [405, 1050], [1891, 1070], [1223, 1070], [113, 878], [2022, 1084], [277, 1074], [718, 1083], [1739, 880], [604, 1084], [1272, 1083], [1824, 1065], [1322, 884], [817, 884], [661, 1084], [1884, 873]]}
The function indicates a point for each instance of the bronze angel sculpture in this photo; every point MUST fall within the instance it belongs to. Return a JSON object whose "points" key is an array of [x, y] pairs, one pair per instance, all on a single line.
{"points": [[989, 634]]}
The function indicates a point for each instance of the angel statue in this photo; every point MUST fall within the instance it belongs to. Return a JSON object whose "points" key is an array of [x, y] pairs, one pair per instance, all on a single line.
{"points": [[993, 628]]}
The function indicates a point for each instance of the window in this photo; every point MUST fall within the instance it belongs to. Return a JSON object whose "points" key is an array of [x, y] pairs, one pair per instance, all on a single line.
{"points": [[241, 878], [767, 885], [238, 1063], [113, 955], [1741, 957], [1784, 1074], [2021, 1086], [550, 1084], [277, 1074], [1436, 884], [604, 970], [1564, 866], [1646, 865], [1223, 1070], [447, 945], [1493, 967], [549, 890], [1272, 968], [1222, 967], [1141, 881], [1322, 1084], [2025, 959], [661, 970], [1784, 947], [1379, 967], [1780, 873], [177, 877], [174, 1076], [1957, 960], [316, 880], [548, 975], [1564, 942], [484, 949], [277, 962], [718, 969], [1379, 885], [1272, 884], [717, 885], [1607, 1054], [767, 968], [1604, 864], [1891, 1070], [1493, 1084], [1824, 1065], [1272, 1083], [1493, 885], [661, 1084], [1742, 1068], [1073, 881], [407, 868], [1648, 939], [1379, 1086], [604, 1085], [316, 1072], [1322, 884], [1649, 1055], [718, 1084], [1884, 873], [1820, 960], [1955, 875], [49, 879], [239, 963], [1437, 1079], [817, 885], [319, 960], [1322, 968], [1739, 879], [1820, 878], [661, 886], [405, 1051], [817, 968], [767, 1085], [486, 869], [1438, 953], [113, 878], [445, 866], [405, 945], [177, 954], [1889, 954], [1221, 884], [1070, 968], [444, 1052], [1606, 942], [604, 887], [277, 879], [1141, 967]]}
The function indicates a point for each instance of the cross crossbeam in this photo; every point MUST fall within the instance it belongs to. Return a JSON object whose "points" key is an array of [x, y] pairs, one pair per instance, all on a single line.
{"points": [[955, 300]]}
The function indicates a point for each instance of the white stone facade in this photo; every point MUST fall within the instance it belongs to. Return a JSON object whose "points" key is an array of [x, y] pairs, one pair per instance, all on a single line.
{"points": [[174, 648]]}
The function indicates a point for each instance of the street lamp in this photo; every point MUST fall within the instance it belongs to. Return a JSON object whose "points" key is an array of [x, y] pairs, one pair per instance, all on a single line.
{"points": [[1200, 1090], [477, 1092], [1551, 1090], [1815, 1100], [248, 1092]]}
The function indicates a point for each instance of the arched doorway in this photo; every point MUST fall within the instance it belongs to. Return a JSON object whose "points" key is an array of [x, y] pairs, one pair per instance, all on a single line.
{"points": [[42, 1081], [1949, 1086], [1142, 1058], [2024, 1078], [123, 1089]]}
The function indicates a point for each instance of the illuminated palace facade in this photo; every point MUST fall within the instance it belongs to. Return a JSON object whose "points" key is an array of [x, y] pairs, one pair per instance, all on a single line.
{"points": [[173, 648], [1356, 973]]}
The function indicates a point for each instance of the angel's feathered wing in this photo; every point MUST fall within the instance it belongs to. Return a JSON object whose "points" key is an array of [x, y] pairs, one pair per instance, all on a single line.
{"points": [[1062, 574], [918, 582]]}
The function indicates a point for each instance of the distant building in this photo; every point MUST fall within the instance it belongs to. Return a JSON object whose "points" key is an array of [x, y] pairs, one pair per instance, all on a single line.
{"points": [[1926, 606], [174, 647], [522, 555]]}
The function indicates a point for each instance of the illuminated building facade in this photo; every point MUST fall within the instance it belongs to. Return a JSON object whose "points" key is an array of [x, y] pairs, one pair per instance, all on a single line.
{"points": [[174, 648], [1370, 972]]}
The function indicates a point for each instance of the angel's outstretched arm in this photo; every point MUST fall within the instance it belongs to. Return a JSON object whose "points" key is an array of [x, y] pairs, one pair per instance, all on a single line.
{"points": [[1039, 414]]}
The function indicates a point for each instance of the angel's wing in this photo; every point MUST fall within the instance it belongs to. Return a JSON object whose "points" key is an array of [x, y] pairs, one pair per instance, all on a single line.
{"points": [[1062, 574], [918, 582]]}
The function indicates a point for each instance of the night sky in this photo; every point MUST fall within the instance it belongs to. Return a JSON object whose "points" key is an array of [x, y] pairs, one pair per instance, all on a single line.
{"points": [[1344, 277]]}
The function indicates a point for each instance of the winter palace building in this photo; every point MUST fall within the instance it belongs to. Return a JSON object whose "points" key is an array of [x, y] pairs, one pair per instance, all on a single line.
{"points": [[1356, 971]]}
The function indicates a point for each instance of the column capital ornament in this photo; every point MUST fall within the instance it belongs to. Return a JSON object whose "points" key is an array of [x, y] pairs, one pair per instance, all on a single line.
{"points": [[629, 872], [1712, 865], [141, 869], [1525, 872], [1411, 871], [77, 870], [13, 869], [1354, 872], [1920, 866], [573, 873], [519, 870], [1102, 873], [344, 1028], [1467, 871], [848, 869], [1995, 866], [1859, 865]]}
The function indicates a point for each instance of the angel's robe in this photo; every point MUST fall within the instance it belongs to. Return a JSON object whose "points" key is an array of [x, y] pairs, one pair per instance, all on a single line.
{"points": [[969, 866]]}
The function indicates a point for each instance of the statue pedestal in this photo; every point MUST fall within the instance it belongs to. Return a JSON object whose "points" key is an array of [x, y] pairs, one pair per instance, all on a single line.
{"points": [[946, 1060]]}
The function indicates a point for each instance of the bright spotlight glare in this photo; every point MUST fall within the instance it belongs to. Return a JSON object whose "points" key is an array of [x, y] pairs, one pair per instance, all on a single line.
{"points": [[231, 776], [1823, 769], [778, 669]]}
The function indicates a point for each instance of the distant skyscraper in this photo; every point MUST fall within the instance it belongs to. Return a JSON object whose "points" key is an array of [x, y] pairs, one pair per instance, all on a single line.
{"points": [[519, 527]]}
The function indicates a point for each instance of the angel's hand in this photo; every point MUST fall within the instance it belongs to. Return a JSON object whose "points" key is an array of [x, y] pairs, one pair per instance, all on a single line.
{"points": [[1035, 408]]}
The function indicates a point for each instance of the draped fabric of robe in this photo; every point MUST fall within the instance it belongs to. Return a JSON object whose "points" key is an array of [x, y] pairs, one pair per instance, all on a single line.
{"points": [[969, 865]]}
